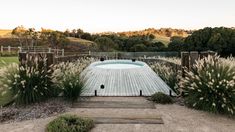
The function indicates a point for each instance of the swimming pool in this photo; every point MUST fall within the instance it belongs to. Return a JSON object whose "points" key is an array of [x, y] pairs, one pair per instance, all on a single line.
{"points": [[119, 64], [122, 78]]}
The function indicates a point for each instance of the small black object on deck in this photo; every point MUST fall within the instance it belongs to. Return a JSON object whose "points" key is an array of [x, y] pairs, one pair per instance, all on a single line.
{"points": [[133, 60], [95, 92], [101, 59], [102, 86], [140, 92], [170, 93]]}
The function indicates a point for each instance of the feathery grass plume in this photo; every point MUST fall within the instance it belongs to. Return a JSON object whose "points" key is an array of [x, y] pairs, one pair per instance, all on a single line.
{"points": [[175, 60], [210, 86], [68, 78], [167, 73], [7, 82], [30, 82]]}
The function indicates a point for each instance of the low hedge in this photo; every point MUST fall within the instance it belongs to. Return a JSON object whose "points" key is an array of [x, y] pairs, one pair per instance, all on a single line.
{"points": [[70, 123], [161, 98]]}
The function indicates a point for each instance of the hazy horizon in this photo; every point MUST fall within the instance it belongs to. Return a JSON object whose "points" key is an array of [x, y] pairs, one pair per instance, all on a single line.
{"points": [[117, 15]]}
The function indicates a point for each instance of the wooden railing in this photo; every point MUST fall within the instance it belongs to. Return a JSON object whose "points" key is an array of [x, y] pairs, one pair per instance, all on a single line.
{"points": [[56, 52]]}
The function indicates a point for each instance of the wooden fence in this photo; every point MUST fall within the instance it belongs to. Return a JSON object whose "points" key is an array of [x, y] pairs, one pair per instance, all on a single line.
{"points": [[37, 49], [9, 49], [15, 50], [188, 59]]}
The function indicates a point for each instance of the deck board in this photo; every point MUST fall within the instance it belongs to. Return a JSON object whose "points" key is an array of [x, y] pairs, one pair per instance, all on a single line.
{"points": [[114, 104]]}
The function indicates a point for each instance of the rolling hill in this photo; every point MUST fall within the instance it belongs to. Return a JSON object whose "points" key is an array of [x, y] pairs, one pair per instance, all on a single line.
{"points": [[161, 35], [5, 33], [77, 44]]}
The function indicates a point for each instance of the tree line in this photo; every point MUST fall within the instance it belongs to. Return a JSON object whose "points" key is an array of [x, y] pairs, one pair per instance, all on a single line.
{"points": [[31, 37], [119, 42], [219, 39]]}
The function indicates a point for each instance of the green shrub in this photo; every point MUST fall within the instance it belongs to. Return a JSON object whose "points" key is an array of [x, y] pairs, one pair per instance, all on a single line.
{"points": [[70, 123], [161, 98], [30, 82], [210, 86]]}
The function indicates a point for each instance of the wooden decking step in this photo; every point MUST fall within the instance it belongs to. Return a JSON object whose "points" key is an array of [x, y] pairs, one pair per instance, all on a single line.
{"points": [[120, 120], [114, 104]]}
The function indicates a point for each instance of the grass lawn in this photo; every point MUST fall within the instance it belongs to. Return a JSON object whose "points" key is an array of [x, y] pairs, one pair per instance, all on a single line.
{"points": [[8, 60]]}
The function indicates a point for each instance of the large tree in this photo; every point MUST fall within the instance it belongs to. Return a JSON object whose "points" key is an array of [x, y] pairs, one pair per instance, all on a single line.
{"points": [[54, 38], [221, 40], [176, 44], [19, 33], [26, 37]]}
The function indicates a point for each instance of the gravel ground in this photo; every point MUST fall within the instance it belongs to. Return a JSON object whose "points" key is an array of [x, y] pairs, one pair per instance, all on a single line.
{"points": [[51, 107], [176, 118]]}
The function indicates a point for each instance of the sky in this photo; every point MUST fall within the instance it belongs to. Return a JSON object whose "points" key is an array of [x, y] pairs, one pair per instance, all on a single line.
{"points": [[116, 15]]}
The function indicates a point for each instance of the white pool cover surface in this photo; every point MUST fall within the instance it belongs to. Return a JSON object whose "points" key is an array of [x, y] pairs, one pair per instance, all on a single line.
{"points": [[118, 65], [122, 78]]}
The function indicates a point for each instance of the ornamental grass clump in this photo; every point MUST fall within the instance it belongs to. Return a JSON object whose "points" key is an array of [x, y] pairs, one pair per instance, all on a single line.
{"points": [[7, 76], [167, 74], [210, 86], [30, 82], [70, 123], [67, 77]]}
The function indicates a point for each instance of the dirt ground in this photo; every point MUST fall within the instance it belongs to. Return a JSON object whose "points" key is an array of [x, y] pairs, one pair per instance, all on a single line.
{"points": [[176, 119]]}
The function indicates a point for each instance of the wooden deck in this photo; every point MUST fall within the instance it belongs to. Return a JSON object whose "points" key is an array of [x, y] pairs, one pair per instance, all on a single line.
{"points": [[123, 82]]}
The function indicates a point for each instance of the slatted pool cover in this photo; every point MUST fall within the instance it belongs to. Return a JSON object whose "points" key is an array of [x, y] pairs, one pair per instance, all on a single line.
{"points": [[122, 81]]}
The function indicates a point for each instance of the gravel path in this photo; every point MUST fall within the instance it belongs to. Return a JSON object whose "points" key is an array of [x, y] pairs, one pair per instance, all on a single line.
{"points": [[176, 118]]}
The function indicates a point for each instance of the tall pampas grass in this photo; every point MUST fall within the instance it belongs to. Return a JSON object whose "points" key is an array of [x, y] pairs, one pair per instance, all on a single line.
{"points": [[68, 79], [210, 86]]}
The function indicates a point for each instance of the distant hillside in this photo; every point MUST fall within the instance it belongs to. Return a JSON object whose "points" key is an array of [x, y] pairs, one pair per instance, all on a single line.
{"points": [[77, 44], [5, 33], [162, 35], [165, 40], [166, 32]]}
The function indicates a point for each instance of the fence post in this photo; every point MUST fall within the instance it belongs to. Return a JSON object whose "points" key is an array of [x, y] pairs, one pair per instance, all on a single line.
{"points": [[89, 52], [9, 49], [49, 50], [184, 62], [22, 58], [203, 54], [62, 52], [20, 49], [144, 56], [193, 58], [2, 49], [50, 59], [57, 52]]}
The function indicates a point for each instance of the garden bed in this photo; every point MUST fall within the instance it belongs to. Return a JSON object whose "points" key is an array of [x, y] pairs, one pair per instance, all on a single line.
{"points": [[45, 109]]}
